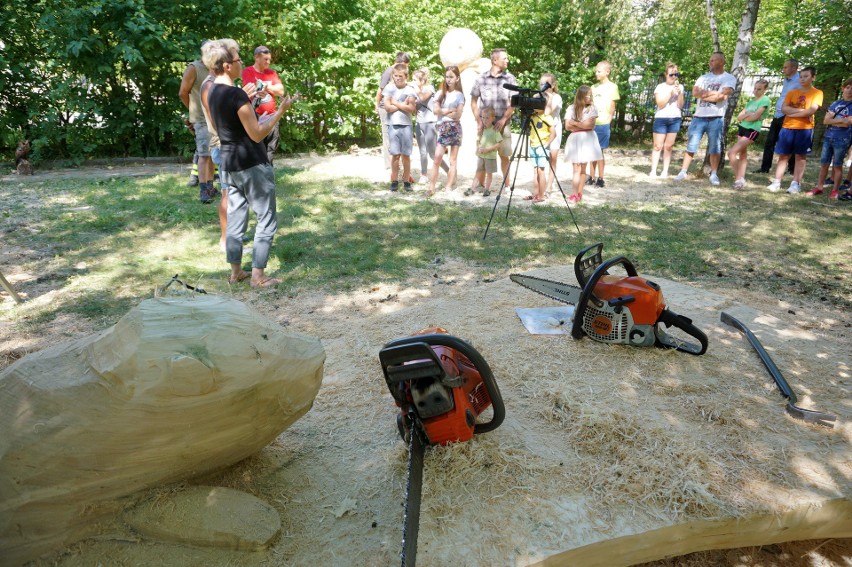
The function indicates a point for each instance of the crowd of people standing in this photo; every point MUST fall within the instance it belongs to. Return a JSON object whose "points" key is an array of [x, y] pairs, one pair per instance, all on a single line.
{"points": [[236, 130], [587, 124]]}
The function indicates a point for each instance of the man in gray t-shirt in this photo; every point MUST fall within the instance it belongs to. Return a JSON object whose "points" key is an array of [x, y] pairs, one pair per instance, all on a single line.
{"points": [[712, 91], [385, 80]]}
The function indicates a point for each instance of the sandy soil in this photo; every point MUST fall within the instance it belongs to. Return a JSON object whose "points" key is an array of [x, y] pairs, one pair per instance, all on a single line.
{"points": [[709, 434]]}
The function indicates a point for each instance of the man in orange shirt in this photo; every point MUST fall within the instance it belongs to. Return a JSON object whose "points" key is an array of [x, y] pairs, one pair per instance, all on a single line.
{"points": [[264, 98], [796, 136]]}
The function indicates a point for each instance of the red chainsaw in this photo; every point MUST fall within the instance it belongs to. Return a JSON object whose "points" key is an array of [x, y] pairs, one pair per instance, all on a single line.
{"points": [[441, 385], [617, 309]]}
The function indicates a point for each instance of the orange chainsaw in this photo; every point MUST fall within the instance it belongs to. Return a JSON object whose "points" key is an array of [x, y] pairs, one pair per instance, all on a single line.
{"points": [[617, 309], [441, 385]]}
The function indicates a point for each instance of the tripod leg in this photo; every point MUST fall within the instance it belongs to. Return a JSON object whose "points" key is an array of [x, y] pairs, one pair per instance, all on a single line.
{"points": [[524, 136], [564, 197]]}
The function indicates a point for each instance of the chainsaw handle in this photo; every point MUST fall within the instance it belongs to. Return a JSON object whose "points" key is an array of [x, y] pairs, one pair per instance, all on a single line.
{"points": [[589, 288], [440, 339], [672, 319]]}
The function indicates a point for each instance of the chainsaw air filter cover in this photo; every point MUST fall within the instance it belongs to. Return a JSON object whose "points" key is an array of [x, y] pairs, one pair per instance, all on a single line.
{"points": [[441, 384]]}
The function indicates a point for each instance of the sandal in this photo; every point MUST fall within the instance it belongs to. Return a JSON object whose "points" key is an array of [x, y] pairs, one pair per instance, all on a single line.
{"points": [[265, 282], [537, 201], [529, 198], [242, 276]]}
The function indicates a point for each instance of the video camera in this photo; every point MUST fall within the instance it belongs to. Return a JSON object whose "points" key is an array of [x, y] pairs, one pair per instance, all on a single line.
{"points": [[528, 100]]}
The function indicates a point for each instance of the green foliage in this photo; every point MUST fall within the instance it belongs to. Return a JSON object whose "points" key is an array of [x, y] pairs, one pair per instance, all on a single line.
{"points": [[100, 77]]}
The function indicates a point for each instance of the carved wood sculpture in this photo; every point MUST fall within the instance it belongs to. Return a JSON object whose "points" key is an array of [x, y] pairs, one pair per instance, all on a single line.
{"points": [[177, 388]]}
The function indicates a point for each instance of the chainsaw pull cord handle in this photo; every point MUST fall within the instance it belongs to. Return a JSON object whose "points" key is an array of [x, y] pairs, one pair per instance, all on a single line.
{"points": [[479, 363], [672, 319], [589, 288]]}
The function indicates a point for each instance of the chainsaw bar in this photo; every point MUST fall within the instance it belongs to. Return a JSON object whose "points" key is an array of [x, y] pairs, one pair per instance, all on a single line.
{"points": [[413, 492], [554, 290]]}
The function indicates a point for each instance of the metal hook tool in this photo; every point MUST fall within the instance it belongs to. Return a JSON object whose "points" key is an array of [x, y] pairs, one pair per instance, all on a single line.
{"points": [[811, 416]]}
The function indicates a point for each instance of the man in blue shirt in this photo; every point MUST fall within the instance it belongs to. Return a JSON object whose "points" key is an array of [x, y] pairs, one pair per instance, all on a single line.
{"points": [[790, 71]]}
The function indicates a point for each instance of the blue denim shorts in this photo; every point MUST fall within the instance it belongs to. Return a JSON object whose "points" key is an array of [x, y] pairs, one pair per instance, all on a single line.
{"points": [[539, 158], [603, 131], [697, 128], [796, 142], [666, 125], [834, 150]]}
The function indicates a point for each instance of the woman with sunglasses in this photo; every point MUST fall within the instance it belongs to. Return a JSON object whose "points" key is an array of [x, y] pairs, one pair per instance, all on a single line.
{"points": [[246, 171], [667, 119]]}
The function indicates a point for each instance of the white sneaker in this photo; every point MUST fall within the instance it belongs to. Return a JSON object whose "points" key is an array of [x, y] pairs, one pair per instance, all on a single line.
{"points": [[794, 187], [714, 179], [652, 175], [680, 176], [739, 183], [423, 180], [775, 186]]}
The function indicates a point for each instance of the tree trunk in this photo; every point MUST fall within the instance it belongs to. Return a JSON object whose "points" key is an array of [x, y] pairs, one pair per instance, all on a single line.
{"points": [[714, 31], [739, 65]]}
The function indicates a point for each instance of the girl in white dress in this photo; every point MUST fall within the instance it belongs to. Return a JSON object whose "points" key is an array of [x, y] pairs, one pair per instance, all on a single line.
{"points": [[582, 145]]}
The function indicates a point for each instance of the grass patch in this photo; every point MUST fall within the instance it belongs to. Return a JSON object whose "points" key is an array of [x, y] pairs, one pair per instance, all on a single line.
{"points": [[100, 245]]}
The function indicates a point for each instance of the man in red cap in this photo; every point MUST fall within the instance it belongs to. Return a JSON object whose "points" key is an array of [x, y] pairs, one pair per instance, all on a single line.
{"points": [[264, 98]]}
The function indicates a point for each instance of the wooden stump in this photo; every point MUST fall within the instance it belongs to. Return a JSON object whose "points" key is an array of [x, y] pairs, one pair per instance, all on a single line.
{"points": [[177, 388]]}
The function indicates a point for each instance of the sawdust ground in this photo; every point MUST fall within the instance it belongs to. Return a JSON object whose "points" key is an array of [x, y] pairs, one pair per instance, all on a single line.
{"points": [[337, 475]]}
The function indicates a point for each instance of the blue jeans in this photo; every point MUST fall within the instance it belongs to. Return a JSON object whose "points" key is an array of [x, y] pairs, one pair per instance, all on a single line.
{"points": [[666, 125], [834, 150], [603, 132], [697, 128], [540, 156], [250, 188]]}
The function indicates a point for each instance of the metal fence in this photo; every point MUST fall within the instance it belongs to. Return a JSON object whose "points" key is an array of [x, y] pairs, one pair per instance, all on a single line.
{"points": [[635, 115]]}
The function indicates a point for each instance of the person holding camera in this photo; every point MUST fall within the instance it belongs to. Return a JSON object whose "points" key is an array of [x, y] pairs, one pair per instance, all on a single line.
{"points": [[268, 88], [247, 175], [667, 119]]}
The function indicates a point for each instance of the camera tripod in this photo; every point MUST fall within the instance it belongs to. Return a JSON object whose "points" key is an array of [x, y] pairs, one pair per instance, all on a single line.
{"points": [[521, 151]]}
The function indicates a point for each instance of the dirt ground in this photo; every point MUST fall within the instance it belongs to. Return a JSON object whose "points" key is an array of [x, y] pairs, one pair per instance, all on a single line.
{"points": [[337, 476]]}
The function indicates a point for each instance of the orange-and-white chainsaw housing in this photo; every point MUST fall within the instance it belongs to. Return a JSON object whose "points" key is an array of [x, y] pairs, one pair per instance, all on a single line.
{"points": [[443, 384], [625, 310]]}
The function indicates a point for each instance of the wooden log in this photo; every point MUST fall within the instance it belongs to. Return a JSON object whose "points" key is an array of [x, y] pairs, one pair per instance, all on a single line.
{"points": [[177, 388]]}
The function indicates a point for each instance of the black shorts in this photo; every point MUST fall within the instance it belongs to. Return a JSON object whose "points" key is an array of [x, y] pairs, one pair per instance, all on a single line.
{"points": [[752, 135]]}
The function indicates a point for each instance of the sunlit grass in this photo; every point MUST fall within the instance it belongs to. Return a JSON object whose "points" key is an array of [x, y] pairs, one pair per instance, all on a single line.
{"points": [[104, 244]]}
